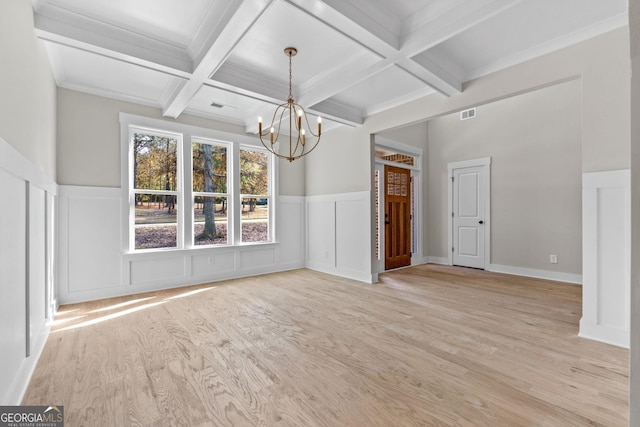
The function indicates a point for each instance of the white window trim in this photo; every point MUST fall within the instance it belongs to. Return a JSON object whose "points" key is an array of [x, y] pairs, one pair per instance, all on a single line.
{"points": [[189, 133]]}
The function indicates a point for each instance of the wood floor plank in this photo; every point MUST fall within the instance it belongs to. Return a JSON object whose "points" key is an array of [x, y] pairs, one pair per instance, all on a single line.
{"points": [[426, 346]]}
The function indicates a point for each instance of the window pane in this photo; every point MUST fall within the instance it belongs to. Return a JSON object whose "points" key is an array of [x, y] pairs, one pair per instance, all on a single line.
{"points": [[210, 220], [392, 156], [254, 172], [255, 219], [155, 162], [209, 168], [155, 221]]}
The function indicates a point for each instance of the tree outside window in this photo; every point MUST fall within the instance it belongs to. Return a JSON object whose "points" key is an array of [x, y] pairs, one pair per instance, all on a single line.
{"points": [[224, 199], [155, 172], [254, 195], [210, 193]]}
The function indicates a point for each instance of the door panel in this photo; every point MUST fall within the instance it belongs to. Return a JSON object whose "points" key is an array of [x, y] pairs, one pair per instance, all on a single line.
{"points": [[468, 223], [397, 213]]}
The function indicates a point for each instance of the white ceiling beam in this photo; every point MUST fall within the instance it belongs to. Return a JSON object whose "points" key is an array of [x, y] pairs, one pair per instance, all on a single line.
{"points": [[349, 20], [440, 21], [243, 18], [437, 77]]}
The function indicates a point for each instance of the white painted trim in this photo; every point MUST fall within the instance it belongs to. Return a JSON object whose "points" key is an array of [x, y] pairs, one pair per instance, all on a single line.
{"points": [[14, 163], [604, 334], [360, 276], [606, 278], [24, 374], [539, 274], [486, 163], [172, 126], [438, 260], [338, 197]]}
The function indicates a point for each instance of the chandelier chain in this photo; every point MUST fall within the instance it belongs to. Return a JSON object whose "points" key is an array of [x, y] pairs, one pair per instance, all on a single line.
{"points": [[290, 78]]}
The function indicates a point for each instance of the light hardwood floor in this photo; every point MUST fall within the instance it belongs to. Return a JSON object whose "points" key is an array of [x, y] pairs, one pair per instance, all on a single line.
{"points": [[427, 346]]}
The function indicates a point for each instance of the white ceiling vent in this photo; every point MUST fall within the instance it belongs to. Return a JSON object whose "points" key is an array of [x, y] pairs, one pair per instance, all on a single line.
{"points": [[468, 114]]}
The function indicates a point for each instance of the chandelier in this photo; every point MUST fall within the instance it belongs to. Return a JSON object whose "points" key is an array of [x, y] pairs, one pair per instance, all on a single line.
{"points": [[298, 144]]}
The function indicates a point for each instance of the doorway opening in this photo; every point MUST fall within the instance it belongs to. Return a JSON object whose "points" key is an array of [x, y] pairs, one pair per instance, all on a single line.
{"points": [[397, 202]]}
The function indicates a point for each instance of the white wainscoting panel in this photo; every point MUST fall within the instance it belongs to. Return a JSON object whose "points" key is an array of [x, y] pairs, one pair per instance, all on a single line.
{"points": [[352, 233], [211, 264], [321, 233], [257, 258], [160, 269], [338, 235], [290, 227], [90, 257], [606, 254], [93, 265], [13, 265], [25, 300]]}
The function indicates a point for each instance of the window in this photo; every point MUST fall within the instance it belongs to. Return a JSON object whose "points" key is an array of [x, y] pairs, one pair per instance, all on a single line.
{"points": [[192, 188], [155, 184], [210, 197], [254, 195]]}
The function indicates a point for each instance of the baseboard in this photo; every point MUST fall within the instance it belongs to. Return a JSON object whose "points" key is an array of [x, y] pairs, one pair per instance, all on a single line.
{"points": [[539, 274], [613, 336], [360, 276], [23, 376], [438, 260]]}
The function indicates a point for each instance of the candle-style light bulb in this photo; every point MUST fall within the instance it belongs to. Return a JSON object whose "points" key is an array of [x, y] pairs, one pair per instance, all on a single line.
{"points": [[260, 125], [319, 125], [299, 119], [272, 132], [302, 136]]}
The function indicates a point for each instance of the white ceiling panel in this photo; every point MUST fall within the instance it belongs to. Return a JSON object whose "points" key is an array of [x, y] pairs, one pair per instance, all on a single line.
{"points": [[100, 75], [384, 90], [354, 58], [170, 21], [321, 49], [227, 106], [529, 30]]}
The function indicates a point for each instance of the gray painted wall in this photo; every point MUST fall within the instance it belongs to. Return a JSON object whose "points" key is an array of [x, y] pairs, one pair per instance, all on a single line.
{"points": [[89, 141], [534, 141]]}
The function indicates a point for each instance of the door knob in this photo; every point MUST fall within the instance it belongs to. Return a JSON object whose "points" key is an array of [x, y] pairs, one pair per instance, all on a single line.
{"points": [[481, 222]]}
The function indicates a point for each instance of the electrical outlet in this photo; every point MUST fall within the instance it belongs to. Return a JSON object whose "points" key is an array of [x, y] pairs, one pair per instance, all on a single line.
{"points": [[553, 259]]}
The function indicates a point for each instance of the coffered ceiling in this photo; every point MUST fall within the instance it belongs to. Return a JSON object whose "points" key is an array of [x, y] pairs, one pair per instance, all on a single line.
{"points": [[224, 59]]}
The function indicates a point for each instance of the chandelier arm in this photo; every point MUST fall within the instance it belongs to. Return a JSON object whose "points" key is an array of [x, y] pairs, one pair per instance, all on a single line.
{"points": [[306, 120]]}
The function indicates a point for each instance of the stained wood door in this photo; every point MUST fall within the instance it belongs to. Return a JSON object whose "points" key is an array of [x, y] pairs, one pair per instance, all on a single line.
{"points": [[468, 219], [397, 217]]}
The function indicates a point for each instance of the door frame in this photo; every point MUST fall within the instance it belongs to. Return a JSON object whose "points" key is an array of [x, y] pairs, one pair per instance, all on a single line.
{"points": [[485, 164], [417, 221]]}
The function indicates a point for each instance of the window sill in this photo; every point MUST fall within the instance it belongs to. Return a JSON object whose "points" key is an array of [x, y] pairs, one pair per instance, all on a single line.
{"points": [[171, 252]]}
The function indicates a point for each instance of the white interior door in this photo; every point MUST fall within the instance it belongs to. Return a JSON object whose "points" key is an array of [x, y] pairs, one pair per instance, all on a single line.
{"points": [[468, 217]]}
